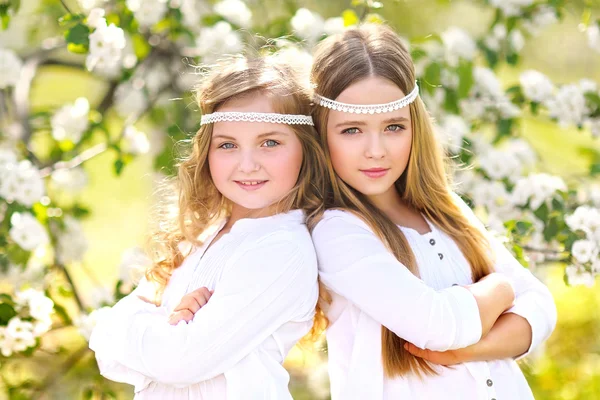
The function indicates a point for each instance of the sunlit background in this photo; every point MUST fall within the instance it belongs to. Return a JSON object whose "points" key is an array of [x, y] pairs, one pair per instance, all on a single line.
{"points": [[567, 367]]}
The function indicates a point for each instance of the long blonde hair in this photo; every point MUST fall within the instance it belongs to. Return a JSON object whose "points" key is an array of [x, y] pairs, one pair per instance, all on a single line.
{"points": [[193, 203], [376, 50]]}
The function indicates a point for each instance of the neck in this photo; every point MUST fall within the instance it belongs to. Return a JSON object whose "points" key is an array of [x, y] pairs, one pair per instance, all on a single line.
{"points": [[238, 212], [389, 202]]}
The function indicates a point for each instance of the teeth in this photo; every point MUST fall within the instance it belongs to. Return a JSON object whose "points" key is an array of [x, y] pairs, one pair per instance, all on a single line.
{"points": [[252, 183]]}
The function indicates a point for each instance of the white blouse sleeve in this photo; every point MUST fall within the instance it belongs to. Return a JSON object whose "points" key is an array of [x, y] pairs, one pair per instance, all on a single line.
{"points": [[355, 264], [264, 287], [102, 337], [533, 300]]}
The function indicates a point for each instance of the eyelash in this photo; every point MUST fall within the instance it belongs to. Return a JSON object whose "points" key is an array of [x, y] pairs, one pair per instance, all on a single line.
{"points": [[222, 145], [400, 128]]}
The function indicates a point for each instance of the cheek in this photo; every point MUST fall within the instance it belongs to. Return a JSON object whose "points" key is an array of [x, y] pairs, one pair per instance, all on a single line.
{"points": [[341, 153], [219, 167], [285, 165]]}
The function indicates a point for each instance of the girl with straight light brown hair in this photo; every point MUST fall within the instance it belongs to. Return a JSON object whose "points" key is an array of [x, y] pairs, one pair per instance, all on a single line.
{"points": [[415, 283]]}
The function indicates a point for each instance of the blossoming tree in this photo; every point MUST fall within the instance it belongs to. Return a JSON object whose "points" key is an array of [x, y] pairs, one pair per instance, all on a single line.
{"points": [[146, 50]]}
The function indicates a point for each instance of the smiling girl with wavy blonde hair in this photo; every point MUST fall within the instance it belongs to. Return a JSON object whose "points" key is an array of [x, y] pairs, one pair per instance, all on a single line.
{"points": [[234, 281]]}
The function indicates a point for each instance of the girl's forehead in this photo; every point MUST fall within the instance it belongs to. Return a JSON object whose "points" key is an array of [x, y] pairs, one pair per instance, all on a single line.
{"points": [[255, 102], [371, 90]]}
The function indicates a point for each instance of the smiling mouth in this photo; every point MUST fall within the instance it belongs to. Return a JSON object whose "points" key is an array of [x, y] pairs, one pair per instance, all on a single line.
{"points": [[250, 185]]}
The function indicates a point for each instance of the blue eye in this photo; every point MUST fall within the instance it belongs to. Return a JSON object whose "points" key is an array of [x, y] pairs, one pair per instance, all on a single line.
{"points": [[350, 131], [395, 128], [270, 143], [227, 146]]}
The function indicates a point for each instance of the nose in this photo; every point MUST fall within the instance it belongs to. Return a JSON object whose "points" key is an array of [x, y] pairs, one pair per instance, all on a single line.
{"points": [[248, 162], [375, 146]]}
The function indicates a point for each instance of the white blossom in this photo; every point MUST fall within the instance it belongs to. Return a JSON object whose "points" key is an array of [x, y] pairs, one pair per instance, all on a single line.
{"points": [[101, 296], [333, 26], [511, 7], [594, 126], [579, 276], [86, 322], [584, 250], [21, 334], [452, 131], [129, 100], [593, 36], [537, 188], [96, 18], [133, 263], [542, 17], [584, 218], [71, 180], [7, 343], [10, 68], [157, 78], [17, 276], [568, 106], [136, 142], [588, 85], [499, 164], [516, 40], [27, 232], [458, 45], [89, 5], [147, 12], [191, 12], [536, 86], [107, 44], [494, 196], [235, 11], [40, 306], [21, 182], [487, 99], [72, 243], [218, 40], [523, 151], [307, 24], [71, 121]]}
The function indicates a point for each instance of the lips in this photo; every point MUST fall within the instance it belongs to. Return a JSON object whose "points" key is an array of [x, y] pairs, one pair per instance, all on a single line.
{"points": [[375, 172]]}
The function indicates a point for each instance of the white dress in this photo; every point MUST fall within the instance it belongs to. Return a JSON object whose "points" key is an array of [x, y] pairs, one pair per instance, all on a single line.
{"points": [[264, 276], [371, 288]]}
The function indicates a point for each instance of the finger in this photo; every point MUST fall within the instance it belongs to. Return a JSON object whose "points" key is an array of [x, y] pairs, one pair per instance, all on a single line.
{"points": [[204, 292], [191, 301], [200, 297], [414, 350], [185, 315]]}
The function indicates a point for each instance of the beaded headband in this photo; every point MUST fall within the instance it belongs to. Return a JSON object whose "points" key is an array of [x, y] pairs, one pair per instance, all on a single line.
{"points": [[289, 119], [368, 108]]}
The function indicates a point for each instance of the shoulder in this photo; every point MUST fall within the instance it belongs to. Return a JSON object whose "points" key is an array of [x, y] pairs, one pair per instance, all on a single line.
{"points": [[339, 221]]}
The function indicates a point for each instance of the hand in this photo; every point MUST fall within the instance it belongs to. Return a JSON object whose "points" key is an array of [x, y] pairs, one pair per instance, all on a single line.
{"points": [[189, 305], [449, 357]]}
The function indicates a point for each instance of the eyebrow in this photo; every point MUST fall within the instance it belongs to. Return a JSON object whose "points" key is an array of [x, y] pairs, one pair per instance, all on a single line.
{"points": [[262, 135], [362, 123]]}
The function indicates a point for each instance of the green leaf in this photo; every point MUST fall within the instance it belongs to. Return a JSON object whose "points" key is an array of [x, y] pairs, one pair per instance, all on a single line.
{"points": [[595, 169], [6, 313], [551, 229], [69, 19], [4, 15], [118, 166], [465, 73], [78, 35], [451, 102], [433, 73], [140, 46], [210, 20], [534, 106], [62, 313], [512, 58], [491, 57], [504, 127], [542, 212]]}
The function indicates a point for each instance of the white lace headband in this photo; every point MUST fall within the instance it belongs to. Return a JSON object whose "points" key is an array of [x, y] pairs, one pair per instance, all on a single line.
{"points": [[289, 119], [368, 108]]}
